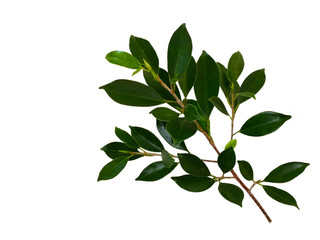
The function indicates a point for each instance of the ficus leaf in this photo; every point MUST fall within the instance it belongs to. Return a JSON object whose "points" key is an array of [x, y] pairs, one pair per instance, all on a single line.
{"points": [[166, 158], [155, 171], [227, 160], [164, 114], [123, 59], [188, 78], [191, 112], [235, 67], [286, 172], [280, 195], [232, 143], [118, 149], [146, 139], [224, 81], [181, 129], [246, 170], [132, 93], [231, 192], [126, 138], [193, 183], [216, 101], [113, 168], [246, 94], [263, 123], [193, 165]]}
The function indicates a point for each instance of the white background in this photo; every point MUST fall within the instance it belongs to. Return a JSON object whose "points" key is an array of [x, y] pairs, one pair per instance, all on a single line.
{"points": [[54, 119]]}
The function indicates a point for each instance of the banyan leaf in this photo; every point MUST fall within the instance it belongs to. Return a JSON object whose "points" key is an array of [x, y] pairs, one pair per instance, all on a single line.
{"points": [[207, 82], [161, 126], [232, 143], [126, 138], [166, 158], [216, 101], [155, 171], [193, 165], [231, 192], [181, 129], [246, 170], [263, 123], [143, 51], [286, 172], [146, 139], [132, 93], [191, 112], [235, 67], [188, 78], [280, 195], [123, 59], [113, 168], [119, 149], [193, 183], [179, 53], [227, 160], [164, 114]]}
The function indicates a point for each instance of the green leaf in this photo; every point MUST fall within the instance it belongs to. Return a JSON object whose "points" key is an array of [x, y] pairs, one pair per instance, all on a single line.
{"points": [[166, 158], [132, 93], [193, 165], [227, 160], [126, 138], [286, 172], [263, 123], [245, 94], [161, 126], [179, 53], [224, 81], [191, 112], [118, 149], [235, 67], [204, 121], [146, 139], [232, 143], [216, 101], [231, 192], [181, 129], [188, 78], [113, 168], [207, 82], [246, 170], [253, 83], [155, 171], [123, 59], [142, 49], [280, 195], [193, 183], [164, 114]]}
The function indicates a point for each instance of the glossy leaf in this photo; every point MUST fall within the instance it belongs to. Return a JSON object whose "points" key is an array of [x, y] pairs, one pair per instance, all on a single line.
{"points": [[188, 78], [132, 93], [117, 149], [227, 160], [280, 195], [231, 192], [232, 143], [123, 59], [235, 67], [164, 114], [224, 81], [207, 82], [179, 53], [246, 170], [113, 168], [193, 165], [286, 172], [155, 171], [263, 123], [181, 129], [253, 83], [191, 113], [126, 138], [146, 139], [161, 126], [193, 183], [142, 50], [216, 101], [245, 94], [166, 158]]}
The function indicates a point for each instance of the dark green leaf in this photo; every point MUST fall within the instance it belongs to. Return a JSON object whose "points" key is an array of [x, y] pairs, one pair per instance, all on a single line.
{"points": [[253, 83], [142, 49], [235, 67], [207, 82], [280, 195], [113, 168], [224, 81], [286, 172], [188, 78], [246, 170], [193, 165], [132, 93], [231, 192], [155, 171], [123, 59], [126, 138], [146, 139], [216, 101], [166, 158], [179, 53], [263, 123], [181, 129], [227, 160], [117, 149], [161, 126], [204, 121], [164, 114], [232, 143], [193, 183], [191, 112], [245, 94]]}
